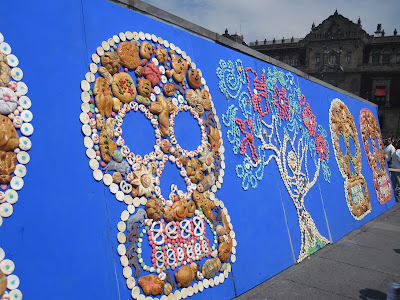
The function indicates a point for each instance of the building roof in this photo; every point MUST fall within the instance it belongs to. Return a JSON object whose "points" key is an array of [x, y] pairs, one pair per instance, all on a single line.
{"points": [[337, 27]]}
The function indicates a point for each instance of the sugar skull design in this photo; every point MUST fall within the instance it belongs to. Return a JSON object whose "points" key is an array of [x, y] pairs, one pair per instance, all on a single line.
{"points": [[342, 126], [174, 242], [373, 147]]}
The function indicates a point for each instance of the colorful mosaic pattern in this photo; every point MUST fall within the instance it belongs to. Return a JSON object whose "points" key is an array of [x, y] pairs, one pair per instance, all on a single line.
{"points": [[374, 150], [270, 119], [342, 127]]}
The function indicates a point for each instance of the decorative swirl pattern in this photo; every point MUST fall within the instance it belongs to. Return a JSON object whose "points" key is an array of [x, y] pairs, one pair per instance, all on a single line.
{"points": [[273, 92]]}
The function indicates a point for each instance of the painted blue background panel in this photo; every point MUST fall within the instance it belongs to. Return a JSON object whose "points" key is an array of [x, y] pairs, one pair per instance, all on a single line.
{"points": [[64, 226], [260, 227], [59, 230]]}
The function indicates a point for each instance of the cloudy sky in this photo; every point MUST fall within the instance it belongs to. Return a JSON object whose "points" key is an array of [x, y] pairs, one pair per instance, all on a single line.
{"points": [[260, 19]]}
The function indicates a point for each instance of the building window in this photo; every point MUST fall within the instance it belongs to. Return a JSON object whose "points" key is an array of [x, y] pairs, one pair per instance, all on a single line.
{"points": [[348, 57], [376, 57], [317, 59], [295, 61], [332, 59], [380, 95], [398, 57], [386, 56], [286, 60]]}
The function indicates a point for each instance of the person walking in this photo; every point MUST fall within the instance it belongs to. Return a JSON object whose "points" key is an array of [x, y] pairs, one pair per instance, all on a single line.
{"points": [[395, 164], [389, 150]]}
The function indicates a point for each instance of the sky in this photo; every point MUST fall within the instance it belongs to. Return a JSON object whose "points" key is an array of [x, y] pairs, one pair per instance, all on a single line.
{"points": [[268, 19]]}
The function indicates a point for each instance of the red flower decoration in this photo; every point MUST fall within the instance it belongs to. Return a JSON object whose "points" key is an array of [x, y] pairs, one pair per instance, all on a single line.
{"points": [[309, 119], [302, 100], [260, 86], [321, 147], [248, 139], [281, 103]]}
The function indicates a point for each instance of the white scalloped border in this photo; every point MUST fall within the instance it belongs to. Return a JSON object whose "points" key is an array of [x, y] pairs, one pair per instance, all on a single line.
{"points": [[13, 281]]}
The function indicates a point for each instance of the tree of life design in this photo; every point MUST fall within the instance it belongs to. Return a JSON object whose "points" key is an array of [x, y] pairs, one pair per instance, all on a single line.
{"points": [[271, 120]]}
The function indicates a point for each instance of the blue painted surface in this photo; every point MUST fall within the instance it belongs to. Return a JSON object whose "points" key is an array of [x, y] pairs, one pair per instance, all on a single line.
{"points": [[59, 230], [64, 226]]}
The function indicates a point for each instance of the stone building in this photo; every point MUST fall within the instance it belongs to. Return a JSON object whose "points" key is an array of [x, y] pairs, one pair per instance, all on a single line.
{"points": [[341, 53], [234, 37]]}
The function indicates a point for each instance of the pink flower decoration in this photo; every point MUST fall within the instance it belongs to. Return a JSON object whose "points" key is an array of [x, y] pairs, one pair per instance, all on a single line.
{"points": [[309, 119], [152, 73], [281, 103], [248, 139], [260, 86], [321, 147], [302, 100]]}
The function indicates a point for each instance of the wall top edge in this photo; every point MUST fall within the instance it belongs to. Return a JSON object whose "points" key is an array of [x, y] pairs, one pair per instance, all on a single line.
{"points": [[164, 16]]}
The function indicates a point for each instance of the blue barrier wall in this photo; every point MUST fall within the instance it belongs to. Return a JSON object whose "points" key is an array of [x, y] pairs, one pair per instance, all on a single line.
{"points": [[63, 233]]}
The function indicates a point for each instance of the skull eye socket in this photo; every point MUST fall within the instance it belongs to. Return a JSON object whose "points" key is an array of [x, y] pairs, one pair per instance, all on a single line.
{"points": [[378, 165], [352, 147], [352, 170], [377, 144], [342, 145], [370, 145]]}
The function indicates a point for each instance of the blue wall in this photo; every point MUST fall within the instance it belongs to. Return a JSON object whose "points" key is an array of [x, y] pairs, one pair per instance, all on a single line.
{"points": [[62, 235]]}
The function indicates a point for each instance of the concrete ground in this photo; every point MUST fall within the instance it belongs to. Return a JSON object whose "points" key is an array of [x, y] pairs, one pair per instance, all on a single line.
{"points": [[359, 266]]}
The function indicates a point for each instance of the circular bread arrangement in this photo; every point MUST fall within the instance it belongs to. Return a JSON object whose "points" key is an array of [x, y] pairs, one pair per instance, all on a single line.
{"points": [[15, 129], [172, 242]]}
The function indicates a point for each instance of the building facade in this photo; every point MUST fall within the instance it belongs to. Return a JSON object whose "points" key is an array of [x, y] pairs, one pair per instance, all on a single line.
{"points": [[340, 52]]}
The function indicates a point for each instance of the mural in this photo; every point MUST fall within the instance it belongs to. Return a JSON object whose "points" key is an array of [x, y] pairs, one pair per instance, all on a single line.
{"points": [[189, 234], [179, 145], [373, 147], [348, 157], [15, 128], [290, 137]]}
